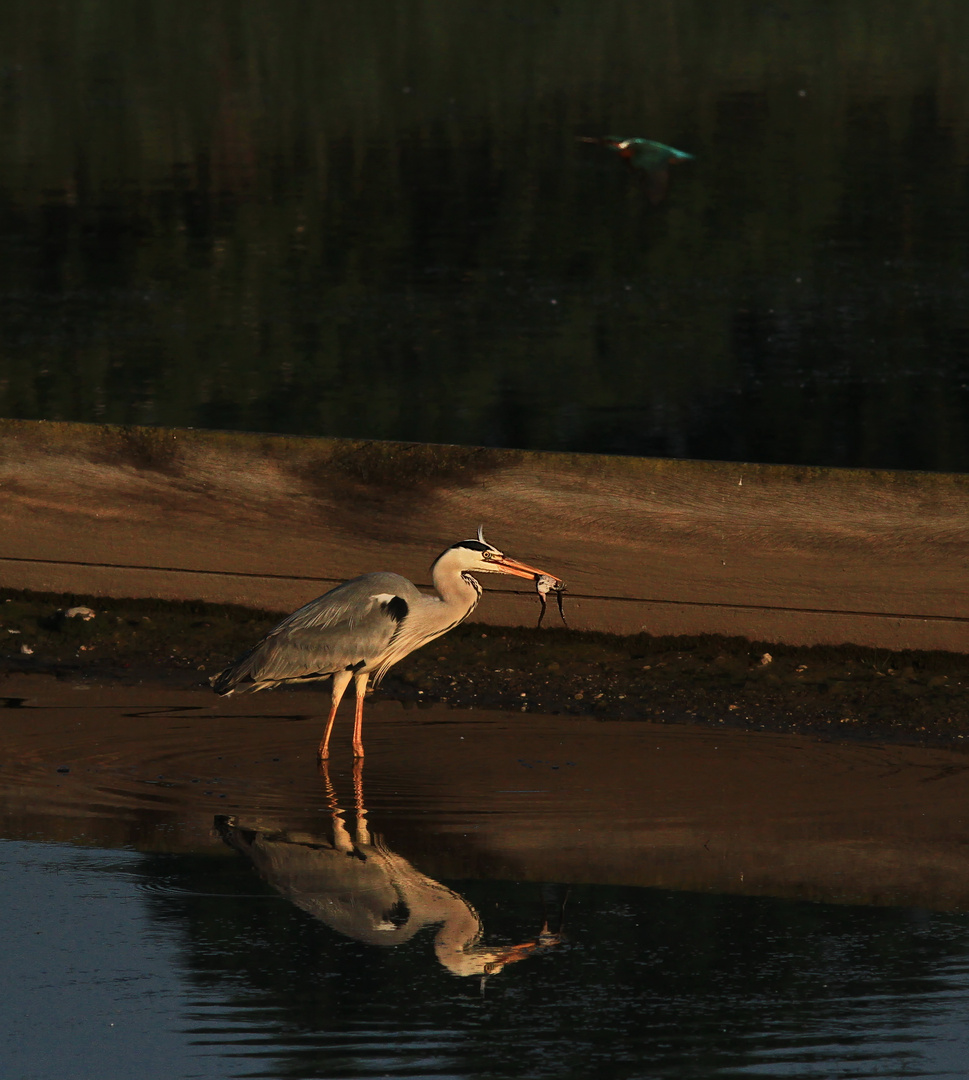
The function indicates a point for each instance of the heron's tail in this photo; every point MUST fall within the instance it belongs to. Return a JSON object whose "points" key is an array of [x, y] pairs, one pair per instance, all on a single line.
{"points": [[235, 680], [241, 677], [222, 683]]}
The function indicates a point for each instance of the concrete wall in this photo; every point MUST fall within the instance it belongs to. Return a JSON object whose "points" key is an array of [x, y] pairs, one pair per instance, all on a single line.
{"points": [[796, 555]]}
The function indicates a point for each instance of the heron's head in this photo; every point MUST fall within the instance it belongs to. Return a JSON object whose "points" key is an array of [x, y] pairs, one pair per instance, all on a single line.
{"points": [[480, 960], [482, 557]]}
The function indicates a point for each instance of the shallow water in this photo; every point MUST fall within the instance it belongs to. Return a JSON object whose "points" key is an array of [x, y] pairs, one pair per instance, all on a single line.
{"points": [[186, 895]]}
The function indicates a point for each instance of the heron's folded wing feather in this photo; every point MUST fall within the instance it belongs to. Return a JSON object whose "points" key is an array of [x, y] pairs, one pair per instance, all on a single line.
{"points": [[301, 654], [354, 622], [348, 603]]}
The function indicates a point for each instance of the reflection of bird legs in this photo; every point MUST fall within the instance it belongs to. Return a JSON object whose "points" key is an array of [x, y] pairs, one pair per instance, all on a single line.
{"points": [[341, 835], [363, 832]]}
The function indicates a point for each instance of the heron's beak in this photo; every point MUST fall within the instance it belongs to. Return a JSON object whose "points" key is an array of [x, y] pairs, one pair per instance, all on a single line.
{"points": [[503, 565], [511, 954], [514, 953]]}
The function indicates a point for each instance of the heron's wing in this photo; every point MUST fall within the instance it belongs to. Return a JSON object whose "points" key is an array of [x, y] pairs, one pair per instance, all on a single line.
{"points": [[347, 627], [348, 603]]}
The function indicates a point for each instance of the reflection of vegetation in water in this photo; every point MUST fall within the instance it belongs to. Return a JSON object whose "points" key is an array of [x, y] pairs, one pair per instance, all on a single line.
{"points": [[360, 220]]}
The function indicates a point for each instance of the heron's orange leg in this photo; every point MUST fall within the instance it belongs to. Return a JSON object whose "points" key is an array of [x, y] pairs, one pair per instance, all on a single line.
{"points": [[358, 729], [325, 741], [360, 683], [340, 682]]}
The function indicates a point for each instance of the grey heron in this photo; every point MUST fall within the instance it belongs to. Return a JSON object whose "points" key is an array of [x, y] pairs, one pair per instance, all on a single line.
{"points": [[364, 626]]}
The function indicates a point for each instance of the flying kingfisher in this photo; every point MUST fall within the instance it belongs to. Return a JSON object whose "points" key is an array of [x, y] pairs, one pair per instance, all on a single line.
{"points": [[651, 158]]}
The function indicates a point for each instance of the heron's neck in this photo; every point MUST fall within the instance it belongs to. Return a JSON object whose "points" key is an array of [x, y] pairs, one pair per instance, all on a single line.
{"points": [[459, 934], [458, 590]]}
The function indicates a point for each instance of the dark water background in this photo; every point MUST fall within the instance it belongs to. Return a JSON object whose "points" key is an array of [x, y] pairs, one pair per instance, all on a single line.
{"points": [[119, 964], [373, 219]]}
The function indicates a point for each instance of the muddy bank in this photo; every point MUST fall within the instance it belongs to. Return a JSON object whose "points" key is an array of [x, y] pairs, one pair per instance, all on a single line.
{"points": [[839, 692], [797, 555]]}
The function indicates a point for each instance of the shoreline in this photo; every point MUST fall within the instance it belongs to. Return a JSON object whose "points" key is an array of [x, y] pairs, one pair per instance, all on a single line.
{"points": [[843, 692]]}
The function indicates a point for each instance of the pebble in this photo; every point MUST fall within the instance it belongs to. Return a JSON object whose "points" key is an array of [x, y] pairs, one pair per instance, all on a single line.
{"points": [[84, 613]]}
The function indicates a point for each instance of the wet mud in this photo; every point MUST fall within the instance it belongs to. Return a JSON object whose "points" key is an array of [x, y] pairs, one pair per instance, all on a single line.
{"points": [[845, 692]]}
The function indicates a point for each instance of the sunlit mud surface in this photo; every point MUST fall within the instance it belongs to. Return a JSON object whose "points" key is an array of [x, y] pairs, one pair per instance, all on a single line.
{"points": [[489, 894]]}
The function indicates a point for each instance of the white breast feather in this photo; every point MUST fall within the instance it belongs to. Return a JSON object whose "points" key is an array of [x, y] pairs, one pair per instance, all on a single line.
{"points": [[413, 633]]}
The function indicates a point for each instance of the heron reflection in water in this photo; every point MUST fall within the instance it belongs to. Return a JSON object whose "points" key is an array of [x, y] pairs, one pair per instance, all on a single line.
{"points": [[359, 887]]}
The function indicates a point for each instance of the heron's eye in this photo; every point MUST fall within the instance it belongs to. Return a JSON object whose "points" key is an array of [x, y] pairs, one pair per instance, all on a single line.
{"points": [[490, 556]]}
